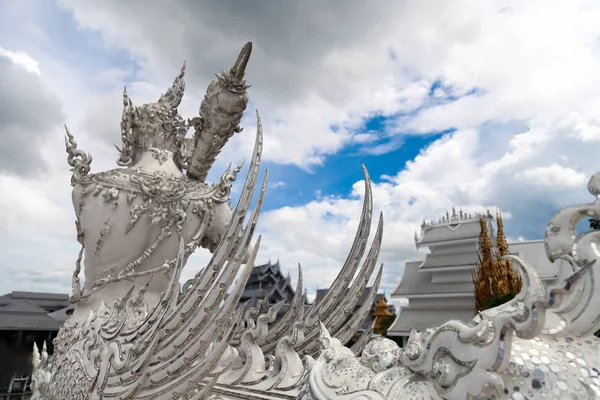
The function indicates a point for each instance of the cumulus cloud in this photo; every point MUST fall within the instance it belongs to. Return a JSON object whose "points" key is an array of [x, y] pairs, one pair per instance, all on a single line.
{"points": [[306, 76], [553, 175], [527, 184], [516, 83], [29, 113], [23, 59]]}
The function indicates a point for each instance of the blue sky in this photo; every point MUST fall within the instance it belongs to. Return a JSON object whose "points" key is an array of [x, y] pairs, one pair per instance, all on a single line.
{"points": [[494, 108], [334, 177], [302, 186]]}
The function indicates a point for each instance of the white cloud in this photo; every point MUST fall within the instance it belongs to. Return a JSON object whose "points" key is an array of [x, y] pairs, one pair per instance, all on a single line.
{"points": [[27, 210], [553, 175], [316, 66], [23, 59], [447, 174]]}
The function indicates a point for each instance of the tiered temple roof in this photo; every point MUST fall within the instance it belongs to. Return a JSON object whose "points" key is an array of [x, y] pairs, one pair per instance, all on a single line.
{"points": [[25, 318], [267, 281], [33, 311], [440, 287]]}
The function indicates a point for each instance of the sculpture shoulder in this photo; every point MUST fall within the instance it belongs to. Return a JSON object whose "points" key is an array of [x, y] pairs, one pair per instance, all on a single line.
{"points": [[158, 185]]}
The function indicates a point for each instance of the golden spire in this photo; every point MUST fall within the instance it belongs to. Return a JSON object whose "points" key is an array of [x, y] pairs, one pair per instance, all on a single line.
{"points": [[511, 276], [483, 273]]}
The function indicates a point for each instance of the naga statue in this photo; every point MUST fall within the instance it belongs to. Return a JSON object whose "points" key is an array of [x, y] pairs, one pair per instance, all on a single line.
{"points": [[138, 333]]}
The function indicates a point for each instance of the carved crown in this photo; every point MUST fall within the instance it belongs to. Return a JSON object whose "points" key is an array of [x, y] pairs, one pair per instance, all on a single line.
{"points": [[155, 125]]}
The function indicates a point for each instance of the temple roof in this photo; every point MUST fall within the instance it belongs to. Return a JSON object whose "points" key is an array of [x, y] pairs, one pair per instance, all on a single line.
{"points": [[267, 280], [25, 315], [458, 228], [416, 281], [33, 311], [48, 301]]}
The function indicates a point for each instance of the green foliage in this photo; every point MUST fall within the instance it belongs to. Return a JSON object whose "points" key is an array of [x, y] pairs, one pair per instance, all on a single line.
{"points": [[387, 322], [496, 301]]}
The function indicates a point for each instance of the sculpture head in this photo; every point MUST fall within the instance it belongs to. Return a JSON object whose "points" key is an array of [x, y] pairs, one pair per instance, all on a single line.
{"points": [[154, 126]]}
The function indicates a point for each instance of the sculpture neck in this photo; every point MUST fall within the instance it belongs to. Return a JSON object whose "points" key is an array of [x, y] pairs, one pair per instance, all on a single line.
{"points": [[152, 160]]}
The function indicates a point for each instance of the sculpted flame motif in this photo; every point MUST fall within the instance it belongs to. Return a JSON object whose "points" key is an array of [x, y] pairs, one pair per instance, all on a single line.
{"points": [[540, 345], [137, 333]]}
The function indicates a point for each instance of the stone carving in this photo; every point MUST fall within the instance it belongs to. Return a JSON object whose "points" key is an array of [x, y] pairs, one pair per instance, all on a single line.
{"points": [[136, 333], [539, 345], [450, 220]]}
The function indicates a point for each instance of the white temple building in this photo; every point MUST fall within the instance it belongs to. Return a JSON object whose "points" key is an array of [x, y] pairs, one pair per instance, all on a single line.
{"points": [[440, 287]]}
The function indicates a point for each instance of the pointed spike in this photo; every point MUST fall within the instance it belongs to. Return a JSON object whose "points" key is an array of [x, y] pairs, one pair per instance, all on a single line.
{"points": [[126, 100], [239, 68], [240, 166], [69, 135], [324, 306]]}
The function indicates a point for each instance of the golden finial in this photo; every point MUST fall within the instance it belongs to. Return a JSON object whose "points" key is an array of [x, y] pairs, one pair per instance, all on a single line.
{"points": [[511, 276], [483, 273]]}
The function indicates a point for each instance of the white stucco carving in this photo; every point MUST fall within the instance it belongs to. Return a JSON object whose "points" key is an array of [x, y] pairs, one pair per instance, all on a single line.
{"points": [[540, 345], [136, 333]]}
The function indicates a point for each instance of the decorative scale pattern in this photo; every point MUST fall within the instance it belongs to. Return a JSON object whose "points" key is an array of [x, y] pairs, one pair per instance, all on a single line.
{"points": [[553, 368]]}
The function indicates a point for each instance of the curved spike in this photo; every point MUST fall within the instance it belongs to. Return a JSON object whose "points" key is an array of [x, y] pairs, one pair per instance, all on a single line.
{"points": [[362, 341], [36, 354], [173, 96], [239, 214], [285, 324], [214, 296], [205, 391], [333, 320], [345, 333], [356, 253]]}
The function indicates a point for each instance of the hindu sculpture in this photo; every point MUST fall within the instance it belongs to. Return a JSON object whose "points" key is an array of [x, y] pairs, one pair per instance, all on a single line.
{"points": [[137, 333]]}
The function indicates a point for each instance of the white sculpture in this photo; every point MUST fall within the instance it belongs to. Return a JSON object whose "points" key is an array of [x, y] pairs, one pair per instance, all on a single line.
{"points": [[540, 345], [137, 334]]}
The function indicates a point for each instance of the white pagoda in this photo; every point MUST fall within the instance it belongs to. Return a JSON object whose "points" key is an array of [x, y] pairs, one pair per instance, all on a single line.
{"points": [[440, 287]]}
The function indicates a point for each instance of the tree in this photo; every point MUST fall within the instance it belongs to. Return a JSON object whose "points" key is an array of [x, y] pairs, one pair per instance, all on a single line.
{"points": [[387, 323]]}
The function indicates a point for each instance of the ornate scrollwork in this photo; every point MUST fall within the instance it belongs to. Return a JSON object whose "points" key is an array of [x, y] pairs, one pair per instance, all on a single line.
{"points": [[538, 345], [198, 342], [79, 161]]}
